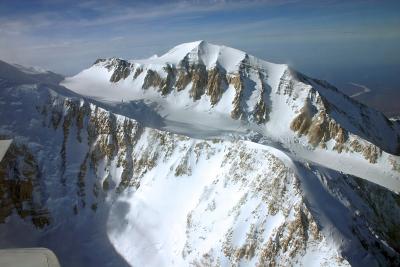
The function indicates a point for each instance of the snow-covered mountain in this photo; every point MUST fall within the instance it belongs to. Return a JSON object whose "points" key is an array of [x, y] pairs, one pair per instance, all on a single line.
{"points": [[204, 156], [204, 90]]}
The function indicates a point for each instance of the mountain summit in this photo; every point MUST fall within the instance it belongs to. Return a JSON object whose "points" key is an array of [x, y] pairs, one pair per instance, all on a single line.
{"points": [[204, 156], [205, 90]]}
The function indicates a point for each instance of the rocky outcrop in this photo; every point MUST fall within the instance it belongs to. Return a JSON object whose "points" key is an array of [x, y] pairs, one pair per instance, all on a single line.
{"points": [[122, 69], [183, 167], [184, 74], [138, 71], [216, 84], [286, 84], [259, 242], [314, 122], [237, 80], [152, 79], [369, 151], [291, 239], [237, 83], [168, 83], [198, 74], [212, 82], [163, 85], [395, 164], [261, 110], [319, 128], [21, 188]]}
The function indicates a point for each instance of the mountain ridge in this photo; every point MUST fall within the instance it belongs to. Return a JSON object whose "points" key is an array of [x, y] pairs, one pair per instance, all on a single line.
{"points": [[246, 94]]}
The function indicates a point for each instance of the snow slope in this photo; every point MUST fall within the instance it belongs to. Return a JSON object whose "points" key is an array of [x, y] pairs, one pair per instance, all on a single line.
{"points": [[204, 90], [4, 145]]}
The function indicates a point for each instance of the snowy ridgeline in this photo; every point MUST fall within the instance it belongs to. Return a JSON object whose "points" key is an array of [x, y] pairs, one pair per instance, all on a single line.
{"points": [[205, 91], [185, 183]]}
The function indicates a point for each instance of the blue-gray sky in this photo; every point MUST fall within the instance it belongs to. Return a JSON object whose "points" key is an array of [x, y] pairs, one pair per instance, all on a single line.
{"points": [[337, 40]]}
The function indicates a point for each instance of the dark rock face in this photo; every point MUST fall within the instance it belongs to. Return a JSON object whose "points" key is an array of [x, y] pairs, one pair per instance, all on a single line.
{"points": [[168, 83], [237, 83], [121, 68], [217, 83], [20, 188], [212, 82], [121, 71], [138, 71], [152, 79], [163, 85], [319, 128], [198, 74], [261, 112]]}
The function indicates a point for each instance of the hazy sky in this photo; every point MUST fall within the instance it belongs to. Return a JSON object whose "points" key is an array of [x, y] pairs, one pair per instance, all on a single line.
{"points": [[338, 40]]}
